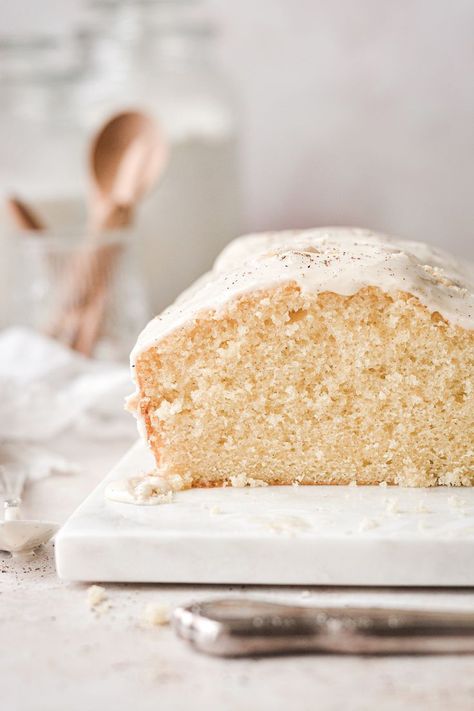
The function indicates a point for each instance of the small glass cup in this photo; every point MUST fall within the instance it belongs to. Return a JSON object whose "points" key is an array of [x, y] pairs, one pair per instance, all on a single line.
{"points": [[83, 290]]}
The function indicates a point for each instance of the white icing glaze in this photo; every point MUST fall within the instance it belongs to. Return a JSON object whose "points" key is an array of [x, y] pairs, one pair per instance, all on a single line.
{"points": [[341, 260], [146, 489], [134, 491]]}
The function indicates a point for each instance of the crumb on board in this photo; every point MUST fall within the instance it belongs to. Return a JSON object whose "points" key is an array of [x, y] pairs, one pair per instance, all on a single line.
{"points": [[367, 524], [422, 508], [392, 506], [239, 481], [455, 501], [422, 526], [287, 524]]}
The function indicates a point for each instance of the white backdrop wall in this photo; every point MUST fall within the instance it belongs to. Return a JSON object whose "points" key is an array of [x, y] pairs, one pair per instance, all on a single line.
{"points": [[353, 111], [357, 112]]}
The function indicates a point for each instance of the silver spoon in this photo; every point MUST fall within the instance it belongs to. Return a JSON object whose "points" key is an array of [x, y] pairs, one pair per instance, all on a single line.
{"points": [[19, 535]]}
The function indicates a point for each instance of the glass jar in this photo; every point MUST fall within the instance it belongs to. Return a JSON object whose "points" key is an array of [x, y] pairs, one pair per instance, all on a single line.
{"points": [[159, 56], [56, 92], [43, 157], [84, 291], [43, 136]]}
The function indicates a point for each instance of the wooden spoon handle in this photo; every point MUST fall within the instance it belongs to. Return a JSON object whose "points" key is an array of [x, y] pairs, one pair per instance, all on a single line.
{"points": [[23, 216], [92, 317], [115, 217], [84, 297], [89, 282], [94, 313]]}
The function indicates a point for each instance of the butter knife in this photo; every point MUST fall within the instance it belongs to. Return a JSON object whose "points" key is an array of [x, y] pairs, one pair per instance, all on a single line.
{"points": [[234, 627]]}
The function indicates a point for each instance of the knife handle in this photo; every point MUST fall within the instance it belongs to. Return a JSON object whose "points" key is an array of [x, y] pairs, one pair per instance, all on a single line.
{"points": [[245, 627]]}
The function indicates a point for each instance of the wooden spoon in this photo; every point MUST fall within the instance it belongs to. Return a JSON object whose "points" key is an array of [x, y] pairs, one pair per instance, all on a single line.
{"points": [[127, 157]]}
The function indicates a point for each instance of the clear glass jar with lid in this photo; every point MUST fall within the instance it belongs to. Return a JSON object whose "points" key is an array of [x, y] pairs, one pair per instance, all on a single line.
{"points": [[159, 56]]}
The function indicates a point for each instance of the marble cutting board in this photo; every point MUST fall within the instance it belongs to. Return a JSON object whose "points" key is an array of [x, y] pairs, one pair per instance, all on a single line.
{"points": [[273, 535]]}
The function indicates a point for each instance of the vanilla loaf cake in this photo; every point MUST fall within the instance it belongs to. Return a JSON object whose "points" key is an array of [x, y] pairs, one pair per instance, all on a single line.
{"points": [[326, 356]]}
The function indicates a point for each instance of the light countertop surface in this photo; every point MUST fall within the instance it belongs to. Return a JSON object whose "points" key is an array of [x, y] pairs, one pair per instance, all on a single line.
{"points": [[57, 654]]}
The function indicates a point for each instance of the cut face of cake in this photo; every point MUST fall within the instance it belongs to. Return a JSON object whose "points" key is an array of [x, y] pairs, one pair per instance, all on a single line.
{"points": [[326, 356]]}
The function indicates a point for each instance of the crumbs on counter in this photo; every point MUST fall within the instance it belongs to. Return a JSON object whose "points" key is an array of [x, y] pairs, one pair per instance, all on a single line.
{"points": [[96, 598], [156, 614]]}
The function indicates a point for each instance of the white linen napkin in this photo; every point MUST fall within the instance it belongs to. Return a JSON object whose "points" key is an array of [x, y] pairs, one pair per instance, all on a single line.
{"points": [[45, 389]]}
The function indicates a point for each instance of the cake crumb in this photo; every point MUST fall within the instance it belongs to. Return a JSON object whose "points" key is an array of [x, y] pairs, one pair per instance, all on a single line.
{"points": [[240, 481], [422, 508], [96, 598], [383, 484], [439, 276], [353, 483], [256, 482], [367, 523], [215, 510], [287, 525], [298, 480], [156, 614], [391, 506]]}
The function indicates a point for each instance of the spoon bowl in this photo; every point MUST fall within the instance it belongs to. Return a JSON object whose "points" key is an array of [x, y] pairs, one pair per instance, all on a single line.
{"points": [[19, 535], [127, 157], [25, 535]]}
